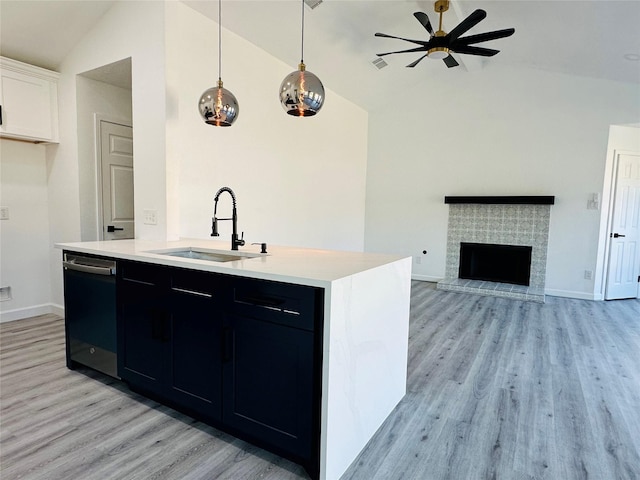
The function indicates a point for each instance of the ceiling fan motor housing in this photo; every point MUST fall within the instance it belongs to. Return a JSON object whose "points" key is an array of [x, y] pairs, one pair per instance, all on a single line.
{"points": [[440, 49]]}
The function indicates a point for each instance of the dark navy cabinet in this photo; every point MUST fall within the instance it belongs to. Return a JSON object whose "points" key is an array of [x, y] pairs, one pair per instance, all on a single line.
{"points": [[196, 305], [243, 355], [143, 325], [272, 373]]}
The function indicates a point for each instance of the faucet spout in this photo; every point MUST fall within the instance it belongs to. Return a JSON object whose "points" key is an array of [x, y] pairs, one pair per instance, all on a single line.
{"points": [[235, 241]]}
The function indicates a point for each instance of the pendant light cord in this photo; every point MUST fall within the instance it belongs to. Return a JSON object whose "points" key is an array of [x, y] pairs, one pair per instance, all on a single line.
{"points": [[302, 42], [219, 40]]}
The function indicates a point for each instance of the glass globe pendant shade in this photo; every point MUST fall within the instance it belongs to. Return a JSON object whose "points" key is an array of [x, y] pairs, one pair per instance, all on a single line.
{"points": [[218, 106], [301, 93]]}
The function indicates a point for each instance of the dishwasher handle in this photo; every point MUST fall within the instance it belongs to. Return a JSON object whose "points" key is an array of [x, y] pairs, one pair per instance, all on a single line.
{"points": [[97, 268]]}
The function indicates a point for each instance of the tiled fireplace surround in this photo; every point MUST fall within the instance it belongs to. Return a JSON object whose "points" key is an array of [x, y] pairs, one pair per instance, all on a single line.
{"points": [[511, 224]]}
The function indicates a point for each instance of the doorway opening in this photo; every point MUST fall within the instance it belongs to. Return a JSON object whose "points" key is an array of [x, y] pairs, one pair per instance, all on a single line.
{"points": [[618, 258], [103, 95]]}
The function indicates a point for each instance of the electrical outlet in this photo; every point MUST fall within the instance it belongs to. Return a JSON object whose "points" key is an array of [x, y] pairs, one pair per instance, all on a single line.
{"points": [[150, 217], [588, 274], [5, 294], [4, 213], [418, 259]]}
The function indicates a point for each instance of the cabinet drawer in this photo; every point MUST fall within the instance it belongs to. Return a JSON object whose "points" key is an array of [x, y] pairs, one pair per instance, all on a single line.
{"points": [[143, 273], [282, 303]]}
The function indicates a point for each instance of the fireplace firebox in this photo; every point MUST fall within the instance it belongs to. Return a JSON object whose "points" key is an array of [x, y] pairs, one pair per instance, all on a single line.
{"points": [[495, 263]]}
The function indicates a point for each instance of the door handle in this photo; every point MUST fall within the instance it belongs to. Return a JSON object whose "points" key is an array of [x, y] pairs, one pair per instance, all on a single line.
{"points": [[616, 235], [111, 229]]}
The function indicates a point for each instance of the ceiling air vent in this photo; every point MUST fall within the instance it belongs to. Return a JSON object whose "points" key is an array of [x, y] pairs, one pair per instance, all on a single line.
{"points": [[313, 3], [379, 63]]}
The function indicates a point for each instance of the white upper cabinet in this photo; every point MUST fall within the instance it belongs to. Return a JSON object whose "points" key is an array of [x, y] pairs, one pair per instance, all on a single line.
{"points": [[29, 102]]}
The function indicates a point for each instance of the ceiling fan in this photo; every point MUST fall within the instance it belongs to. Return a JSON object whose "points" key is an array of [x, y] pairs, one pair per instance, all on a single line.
{"points": [[440, 43]]}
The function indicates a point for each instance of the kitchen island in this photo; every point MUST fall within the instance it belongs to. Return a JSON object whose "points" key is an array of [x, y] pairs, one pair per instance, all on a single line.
{"points": [[352, 312]]}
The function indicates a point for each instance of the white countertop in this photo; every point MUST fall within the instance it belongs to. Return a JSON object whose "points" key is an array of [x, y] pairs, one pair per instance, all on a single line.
{"points": [[303, 266]]}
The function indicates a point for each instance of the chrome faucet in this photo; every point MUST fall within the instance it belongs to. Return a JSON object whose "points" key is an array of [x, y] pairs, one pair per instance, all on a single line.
{"points": [[235, 241]]}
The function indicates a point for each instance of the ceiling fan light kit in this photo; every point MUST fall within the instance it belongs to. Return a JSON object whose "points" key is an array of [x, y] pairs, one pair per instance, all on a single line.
{"points": [[438, 53], [441, 44], [301, 92]]}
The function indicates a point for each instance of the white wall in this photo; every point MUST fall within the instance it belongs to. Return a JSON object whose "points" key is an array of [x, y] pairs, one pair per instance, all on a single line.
{"points": [[298, 181], [129, 29], [94, 98], [24, 237], [497, 131]]}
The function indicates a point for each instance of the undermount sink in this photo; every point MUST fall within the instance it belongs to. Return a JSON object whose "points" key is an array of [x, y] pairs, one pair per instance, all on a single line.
{"points": [[204, 254]]}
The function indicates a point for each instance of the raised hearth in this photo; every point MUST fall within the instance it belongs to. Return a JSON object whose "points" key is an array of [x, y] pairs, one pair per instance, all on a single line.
{"points": [[493, 289]]}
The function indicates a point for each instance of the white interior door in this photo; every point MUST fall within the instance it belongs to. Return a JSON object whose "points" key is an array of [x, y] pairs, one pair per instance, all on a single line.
{"points": [[624, 252], [116, 158]]}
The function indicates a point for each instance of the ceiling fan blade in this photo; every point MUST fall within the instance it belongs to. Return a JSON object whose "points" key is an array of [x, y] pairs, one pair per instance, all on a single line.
{"points": [[485, 37], [467, 24], [413, 64], [410, 50], [450, 61], [424, 20], [418, 42], [469, 50]]}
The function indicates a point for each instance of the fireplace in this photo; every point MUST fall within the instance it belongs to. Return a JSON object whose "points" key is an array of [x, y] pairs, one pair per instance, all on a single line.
{"points": [[516, 227], [495, 263]]}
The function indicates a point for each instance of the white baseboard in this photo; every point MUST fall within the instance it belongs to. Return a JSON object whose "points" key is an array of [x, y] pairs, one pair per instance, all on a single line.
{"points": [[34, 311], [572, 294], [425, 278], [57, 310]]}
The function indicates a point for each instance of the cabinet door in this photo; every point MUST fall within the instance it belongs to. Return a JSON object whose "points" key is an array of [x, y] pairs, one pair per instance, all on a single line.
{"points": [[29, 106], [195, 359], [143, 327], [268, 384]]}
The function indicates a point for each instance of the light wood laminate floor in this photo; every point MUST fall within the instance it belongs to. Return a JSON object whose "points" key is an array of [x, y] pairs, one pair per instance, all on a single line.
{"points": [[497, 389]]}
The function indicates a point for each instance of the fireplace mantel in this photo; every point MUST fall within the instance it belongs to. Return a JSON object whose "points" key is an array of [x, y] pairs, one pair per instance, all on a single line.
{"points": [[503, 200]]}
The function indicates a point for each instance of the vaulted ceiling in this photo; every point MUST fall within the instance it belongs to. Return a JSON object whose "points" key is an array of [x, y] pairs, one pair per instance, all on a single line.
{"points": [[593, 38]]}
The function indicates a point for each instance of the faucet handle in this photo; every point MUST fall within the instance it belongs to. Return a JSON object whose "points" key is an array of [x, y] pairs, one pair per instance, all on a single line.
{"points": [[241, 241]]}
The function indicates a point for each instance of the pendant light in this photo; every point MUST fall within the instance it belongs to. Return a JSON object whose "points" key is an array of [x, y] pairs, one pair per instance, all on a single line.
{"points": [[301, 92], [217, 105]]}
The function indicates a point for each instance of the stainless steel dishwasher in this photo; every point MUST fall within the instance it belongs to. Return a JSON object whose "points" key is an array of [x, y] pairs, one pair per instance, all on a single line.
{"points": [[90, 312]]}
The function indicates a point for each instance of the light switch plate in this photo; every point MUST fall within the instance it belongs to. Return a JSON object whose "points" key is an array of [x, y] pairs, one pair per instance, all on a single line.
{"points": [[4, 213]]}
